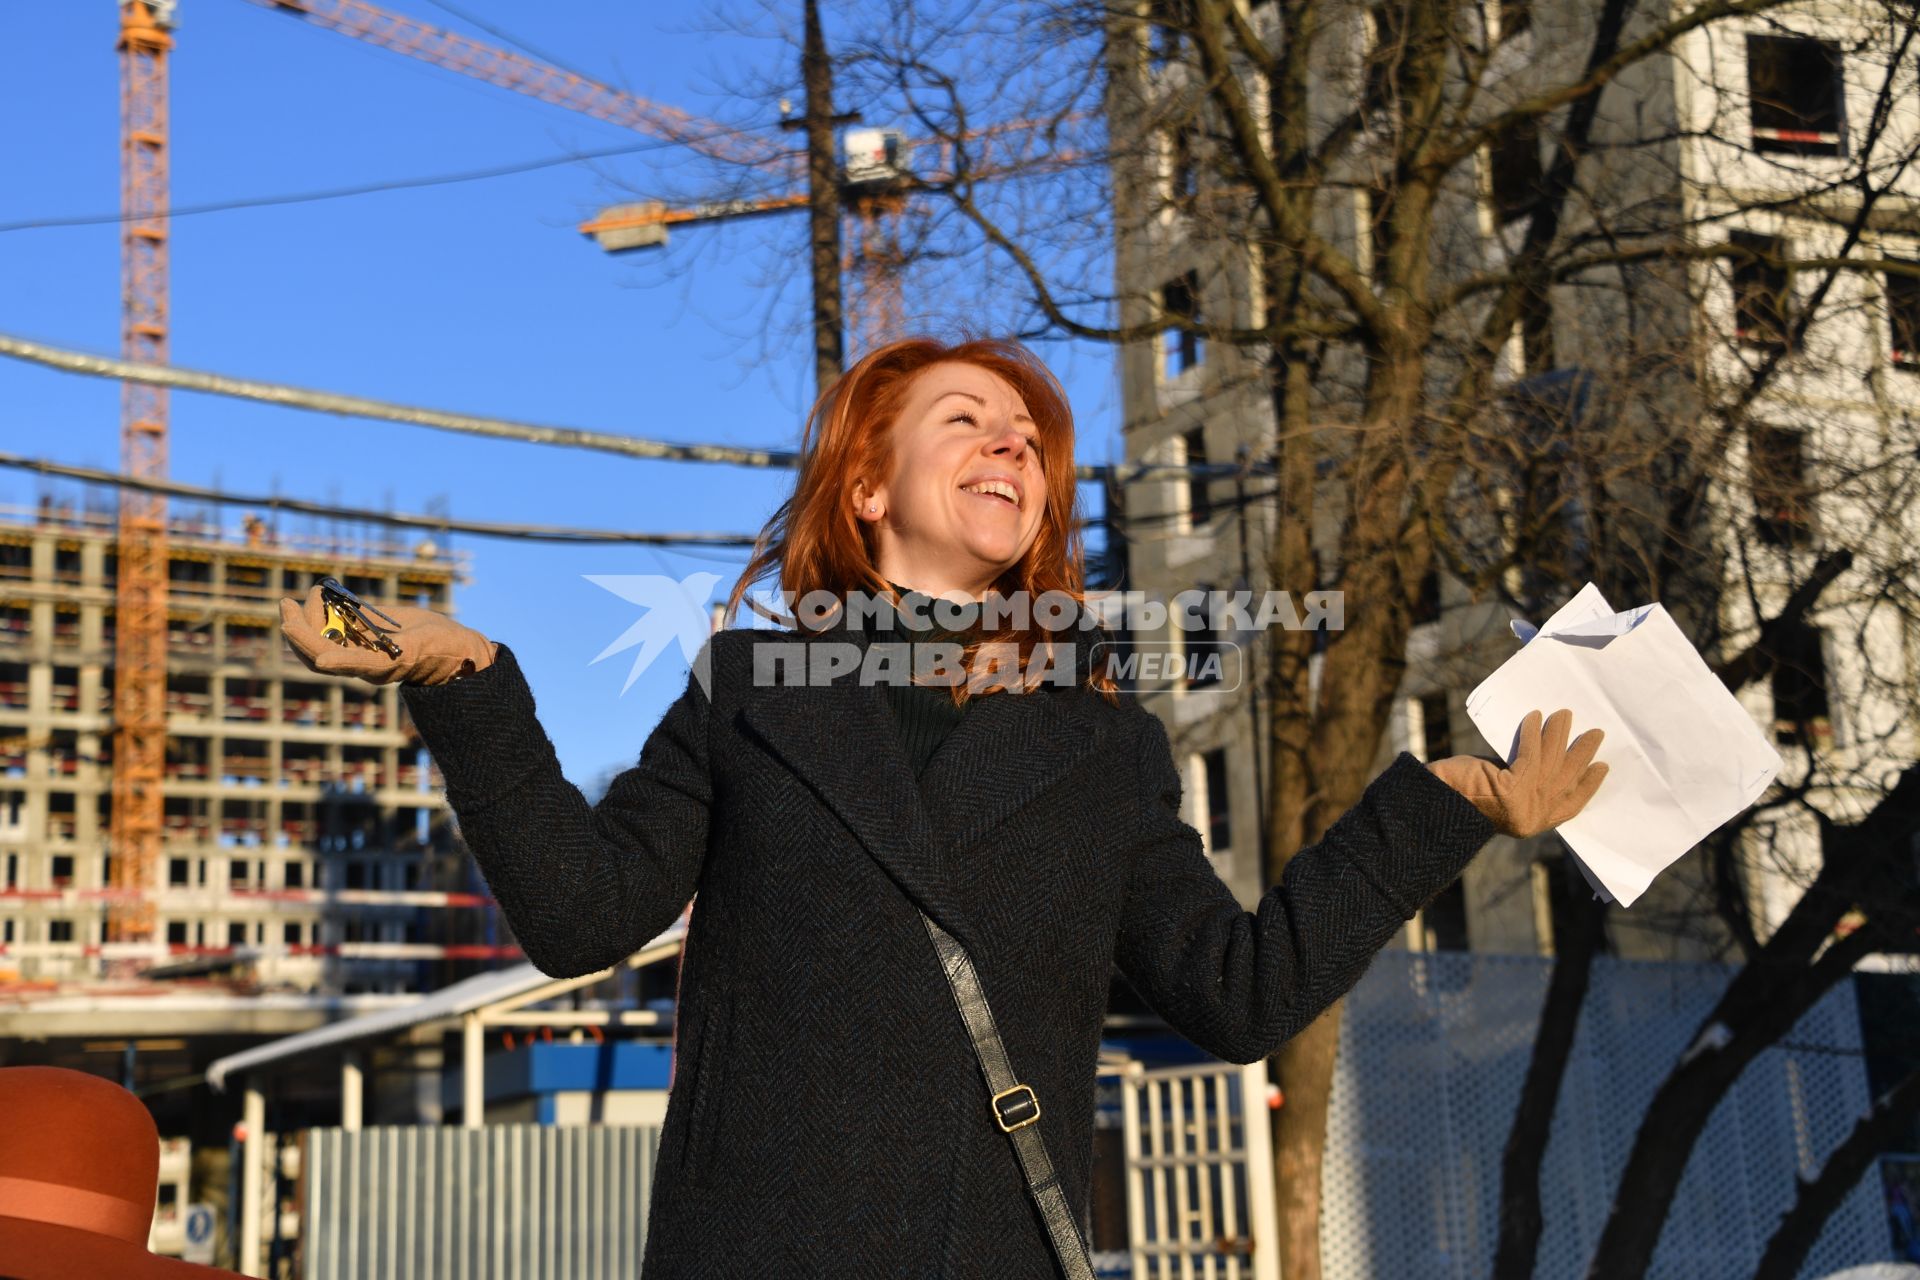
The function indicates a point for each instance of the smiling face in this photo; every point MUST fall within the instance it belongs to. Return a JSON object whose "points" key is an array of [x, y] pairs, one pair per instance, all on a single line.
{"points": [[967, 491]]}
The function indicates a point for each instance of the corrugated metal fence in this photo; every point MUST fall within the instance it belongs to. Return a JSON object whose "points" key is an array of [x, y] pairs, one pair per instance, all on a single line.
{"points": [[507, 1202]]}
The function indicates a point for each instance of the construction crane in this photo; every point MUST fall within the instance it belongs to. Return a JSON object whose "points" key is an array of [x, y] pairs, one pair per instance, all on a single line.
{"points": [[874, 183], [535, 79], [875, 187], [140, 592], [140, 582]]}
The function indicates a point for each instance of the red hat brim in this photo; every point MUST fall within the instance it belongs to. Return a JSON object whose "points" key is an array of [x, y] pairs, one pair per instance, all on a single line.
{"points": [[31, 1250]]}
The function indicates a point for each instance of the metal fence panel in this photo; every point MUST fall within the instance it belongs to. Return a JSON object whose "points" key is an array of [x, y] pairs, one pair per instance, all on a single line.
{"points": [[1433, 1049], [1199, 1180], [508, 1202]]}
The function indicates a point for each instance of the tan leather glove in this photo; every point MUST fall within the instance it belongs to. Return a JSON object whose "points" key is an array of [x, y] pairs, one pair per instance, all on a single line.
{"points": [[433, 648], [1546, 784]]}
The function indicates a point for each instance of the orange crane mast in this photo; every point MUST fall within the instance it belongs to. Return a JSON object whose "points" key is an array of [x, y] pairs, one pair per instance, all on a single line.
{"points": [[140, 582]]}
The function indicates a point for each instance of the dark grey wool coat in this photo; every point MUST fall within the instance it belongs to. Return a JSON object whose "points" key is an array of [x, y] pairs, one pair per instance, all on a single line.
{"points": [[828, 1117]]}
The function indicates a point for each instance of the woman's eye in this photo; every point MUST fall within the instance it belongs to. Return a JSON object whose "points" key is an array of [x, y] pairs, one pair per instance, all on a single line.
{"points": [[964, 416]]}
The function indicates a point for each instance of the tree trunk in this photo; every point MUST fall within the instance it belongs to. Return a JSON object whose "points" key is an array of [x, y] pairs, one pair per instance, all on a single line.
{"points": [[1305, 1066], [1360, 676]]}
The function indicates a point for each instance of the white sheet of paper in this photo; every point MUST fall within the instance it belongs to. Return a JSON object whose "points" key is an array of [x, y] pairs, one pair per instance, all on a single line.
{"points": [[1682, 754]]}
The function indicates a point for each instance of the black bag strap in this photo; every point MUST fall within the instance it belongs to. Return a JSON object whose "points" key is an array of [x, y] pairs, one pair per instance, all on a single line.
{"points": [[1015, 1106]]}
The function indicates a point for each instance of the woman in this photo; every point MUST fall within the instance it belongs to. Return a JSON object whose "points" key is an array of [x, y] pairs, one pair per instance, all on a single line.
{"points": [[828, 1114]]}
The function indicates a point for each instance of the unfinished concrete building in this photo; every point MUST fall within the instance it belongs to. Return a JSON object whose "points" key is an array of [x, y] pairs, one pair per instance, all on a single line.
{"points": [[1736, 133], [307, 850]]}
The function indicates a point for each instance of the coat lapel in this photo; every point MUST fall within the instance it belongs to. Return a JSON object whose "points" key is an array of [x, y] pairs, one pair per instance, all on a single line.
{"points": [[841, 740]]}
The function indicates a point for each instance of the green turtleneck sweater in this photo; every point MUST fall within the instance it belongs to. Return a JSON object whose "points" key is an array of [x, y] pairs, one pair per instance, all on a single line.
{"points": [[924, 714]]}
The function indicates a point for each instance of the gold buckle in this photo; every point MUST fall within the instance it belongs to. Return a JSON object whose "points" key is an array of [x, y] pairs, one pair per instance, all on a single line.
{"points": [[1001, 1120]]}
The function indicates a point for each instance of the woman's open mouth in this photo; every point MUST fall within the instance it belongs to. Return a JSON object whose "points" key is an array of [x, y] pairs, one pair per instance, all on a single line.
{"points": [[993, 491]]}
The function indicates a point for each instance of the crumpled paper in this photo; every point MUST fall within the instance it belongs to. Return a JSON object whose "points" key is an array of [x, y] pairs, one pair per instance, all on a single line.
{"points": [[1682, 754]]}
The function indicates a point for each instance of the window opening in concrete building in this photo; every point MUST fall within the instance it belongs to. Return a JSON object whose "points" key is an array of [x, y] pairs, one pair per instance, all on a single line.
{"points": [[13, 685], [1797, 95], [1514, 171], [1193, 453], [1800, 686], [1181, 349], [1170, 21], [1183, 175], [1200, 643], [1762, 291], [1903, 317], [1219, 811], [1436, 727], [1781, 498], [1386, 41]]}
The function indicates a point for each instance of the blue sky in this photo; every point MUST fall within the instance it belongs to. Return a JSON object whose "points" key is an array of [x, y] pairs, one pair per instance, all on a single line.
{"points": [[476, 296]]}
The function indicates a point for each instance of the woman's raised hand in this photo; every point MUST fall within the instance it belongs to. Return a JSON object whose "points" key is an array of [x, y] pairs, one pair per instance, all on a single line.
{"points": [[433, 648], [1546, 784]]}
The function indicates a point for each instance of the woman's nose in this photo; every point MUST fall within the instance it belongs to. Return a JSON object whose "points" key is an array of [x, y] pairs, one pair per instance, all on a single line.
{"points": [[1011, 443]]}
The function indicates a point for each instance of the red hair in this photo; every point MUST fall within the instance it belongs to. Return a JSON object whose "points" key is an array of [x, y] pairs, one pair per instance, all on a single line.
{"points": [[817, 541]]}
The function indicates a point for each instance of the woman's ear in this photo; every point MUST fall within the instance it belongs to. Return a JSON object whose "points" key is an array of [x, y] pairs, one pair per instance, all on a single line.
{"points": [[866, 506]]}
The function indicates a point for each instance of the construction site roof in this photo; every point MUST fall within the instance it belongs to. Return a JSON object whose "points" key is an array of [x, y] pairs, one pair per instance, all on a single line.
{"points": [[481, 991]]}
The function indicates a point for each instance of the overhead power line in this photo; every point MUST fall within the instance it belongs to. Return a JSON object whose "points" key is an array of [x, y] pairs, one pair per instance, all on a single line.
{"points": [[361, 407], [437, 524], [99, 366], [340, 193], [446, 524]]}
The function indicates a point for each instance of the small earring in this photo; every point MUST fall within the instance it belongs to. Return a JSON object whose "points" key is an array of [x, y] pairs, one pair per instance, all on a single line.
{"points": [[870, 506]]}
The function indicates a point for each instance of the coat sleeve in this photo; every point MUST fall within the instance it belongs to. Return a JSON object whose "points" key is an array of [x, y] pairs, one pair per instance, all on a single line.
{"points": [[582, 885], [1239, 984]]}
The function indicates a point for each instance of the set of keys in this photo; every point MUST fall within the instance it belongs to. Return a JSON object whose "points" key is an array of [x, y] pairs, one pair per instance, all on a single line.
{"points": [[348, 621]]}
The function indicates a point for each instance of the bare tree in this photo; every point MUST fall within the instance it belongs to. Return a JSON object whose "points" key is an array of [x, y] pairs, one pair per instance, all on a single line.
{"points": [[1531, 296]]}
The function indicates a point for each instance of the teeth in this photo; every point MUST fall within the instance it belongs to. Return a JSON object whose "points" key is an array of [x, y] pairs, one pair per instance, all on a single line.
{"points": [[1000, 487]]}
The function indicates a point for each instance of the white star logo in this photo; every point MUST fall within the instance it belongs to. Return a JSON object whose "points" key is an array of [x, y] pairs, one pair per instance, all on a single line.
{"points": [[675, 609]]}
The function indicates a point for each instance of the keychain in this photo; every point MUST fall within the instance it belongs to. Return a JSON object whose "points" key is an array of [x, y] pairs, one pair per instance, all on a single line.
{"points": [[347, 621]]}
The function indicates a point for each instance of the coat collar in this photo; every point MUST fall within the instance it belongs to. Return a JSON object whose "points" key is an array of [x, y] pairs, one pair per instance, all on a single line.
{"points": [[841, 740]]}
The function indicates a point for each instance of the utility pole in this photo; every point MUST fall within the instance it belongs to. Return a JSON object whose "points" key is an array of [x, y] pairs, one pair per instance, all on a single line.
{"points": [[823, 203]]}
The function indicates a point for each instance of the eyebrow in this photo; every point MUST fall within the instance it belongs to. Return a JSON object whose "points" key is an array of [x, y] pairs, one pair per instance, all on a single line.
{"points": [[1018, 417]]}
